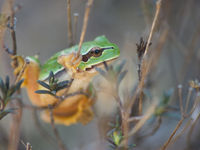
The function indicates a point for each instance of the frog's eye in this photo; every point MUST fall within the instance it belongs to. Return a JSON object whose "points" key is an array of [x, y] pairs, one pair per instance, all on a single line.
{"points": [[96, 53]]}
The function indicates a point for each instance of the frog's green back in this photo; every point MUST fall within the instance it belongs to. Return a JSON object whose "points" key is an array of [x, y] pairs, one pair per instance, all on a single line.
{"points": [[53, 65]]}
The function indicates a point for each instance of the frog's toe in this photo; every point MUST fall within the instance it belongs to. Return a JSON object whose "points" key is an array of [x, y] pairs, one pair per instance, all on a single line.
{"points": [[80, 112], [70, 61], [17, 63]]}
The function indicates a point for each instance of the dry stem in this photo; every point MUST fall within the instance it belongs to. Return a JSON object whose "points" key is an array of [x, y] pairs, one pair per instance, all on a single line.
{"points": [[69, 21], [85, 22], [158, 6], [56, 133], [147, 115], [172, 135], [75, 26], [15, 127], [181, 133], [180, 99], [40, 128], [183, 117], [192, 128], [155, 128], [144, 58]]}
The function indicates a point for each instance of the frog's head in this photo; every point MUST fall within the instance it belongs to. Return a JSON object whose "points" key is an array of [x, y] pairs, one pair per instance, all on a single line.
{"points": [[96, 52]]}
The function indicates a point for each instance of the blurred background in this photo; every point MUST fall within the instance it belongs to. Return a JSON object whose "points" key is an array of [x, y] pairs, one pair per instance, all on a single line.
{"points": [[41, 29]]}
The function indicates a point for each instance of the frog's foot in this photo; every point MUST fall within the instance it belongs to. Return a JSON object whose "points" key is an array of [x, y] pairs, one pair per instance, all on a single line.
{"points": [[17, 63], [70, 61], [78, 112]]}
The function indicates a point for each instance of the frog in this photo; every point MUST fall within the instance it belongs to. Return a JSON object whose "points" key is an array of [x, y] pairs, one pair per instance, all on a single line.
{"points": [[66, 65]]}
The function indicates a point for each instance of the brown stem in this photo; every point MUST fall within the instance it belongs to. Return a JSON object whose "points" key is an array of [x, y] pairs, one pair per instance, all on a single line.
{"points": [[191, 129], [155, 128], [55, 131], [85, 22], [13, 33], [41, 129], [69, 21], [125, 128], [16, 122], [158, 6], [14, 136], [75, 26], [172, 135]]}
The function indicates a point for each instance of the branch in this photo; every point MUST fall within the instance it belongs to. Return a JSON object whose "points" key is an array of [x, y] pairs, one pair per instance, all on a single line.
{"points": [[85, 22], [56, 133], [69, 21]]}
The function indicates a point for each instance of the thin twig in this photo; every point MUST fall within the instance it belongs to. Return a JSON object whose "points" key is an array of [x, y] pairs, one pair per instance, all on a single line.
{"points": [[135, 118], [158, 6], [75, 26], [191, 129], [156, 127], [13, 33], [69, 21], [196, 101], [144, 58], [85, 22], [183, 130], [188, 99], [56, 104], [19, 76], [12, 24], [147, 115], [41, 129], [27, 145], [58, 138], [15, 128], [64, 97], [172, 135], [180, 100]]}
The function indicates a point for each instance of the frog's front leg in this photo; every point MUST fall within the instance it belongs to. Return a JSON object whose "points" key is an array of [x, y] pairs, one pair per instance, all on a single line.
{"points": [[70, 61], [77, 108]]}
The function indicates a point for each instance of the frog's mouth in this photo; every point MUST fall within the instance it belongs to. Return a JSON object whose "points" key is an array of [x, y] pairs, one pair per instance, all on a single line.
{"points": [[100, 65]]}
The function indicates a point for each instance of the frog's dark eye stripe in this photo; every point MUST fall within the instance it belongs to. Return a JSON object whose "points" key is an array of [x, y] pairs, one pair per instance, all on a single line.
{"points": [[95, 52]]}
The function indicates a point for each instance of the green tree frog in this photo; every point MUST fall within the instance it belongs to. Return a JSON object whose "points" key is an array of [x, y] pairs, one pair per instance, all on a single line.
{"points": [[65, 65]]}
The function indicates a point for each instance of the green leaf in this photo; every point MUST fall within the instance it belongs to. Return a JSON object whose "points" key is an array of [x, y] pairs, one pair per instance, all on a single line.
{"points": [[119, 67], [51, 77], [111, 131], [121, 77], [43, 92], [5, 112], [166, 96], [62, 85], [7, 82], [2, 87], [14, 88], [44, 84], [103, 73], [18, 84], [132, 145], [106, 66]]}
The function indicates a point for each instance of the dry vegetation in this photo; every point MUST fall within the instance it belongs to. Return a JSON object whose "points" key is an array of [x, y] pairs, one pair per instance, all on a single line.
{"points": [[141, 116]]}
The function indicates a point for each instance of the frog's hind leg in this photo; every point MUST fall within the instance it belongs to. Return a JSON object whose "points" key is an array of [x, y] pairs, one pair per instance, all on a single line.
{"points": [[68, 113]]}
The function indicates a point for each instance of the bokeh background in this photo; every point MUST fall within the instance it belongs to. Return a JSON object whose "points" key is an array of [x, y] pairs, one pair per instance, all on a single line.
{"points": [[42, 29]]}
